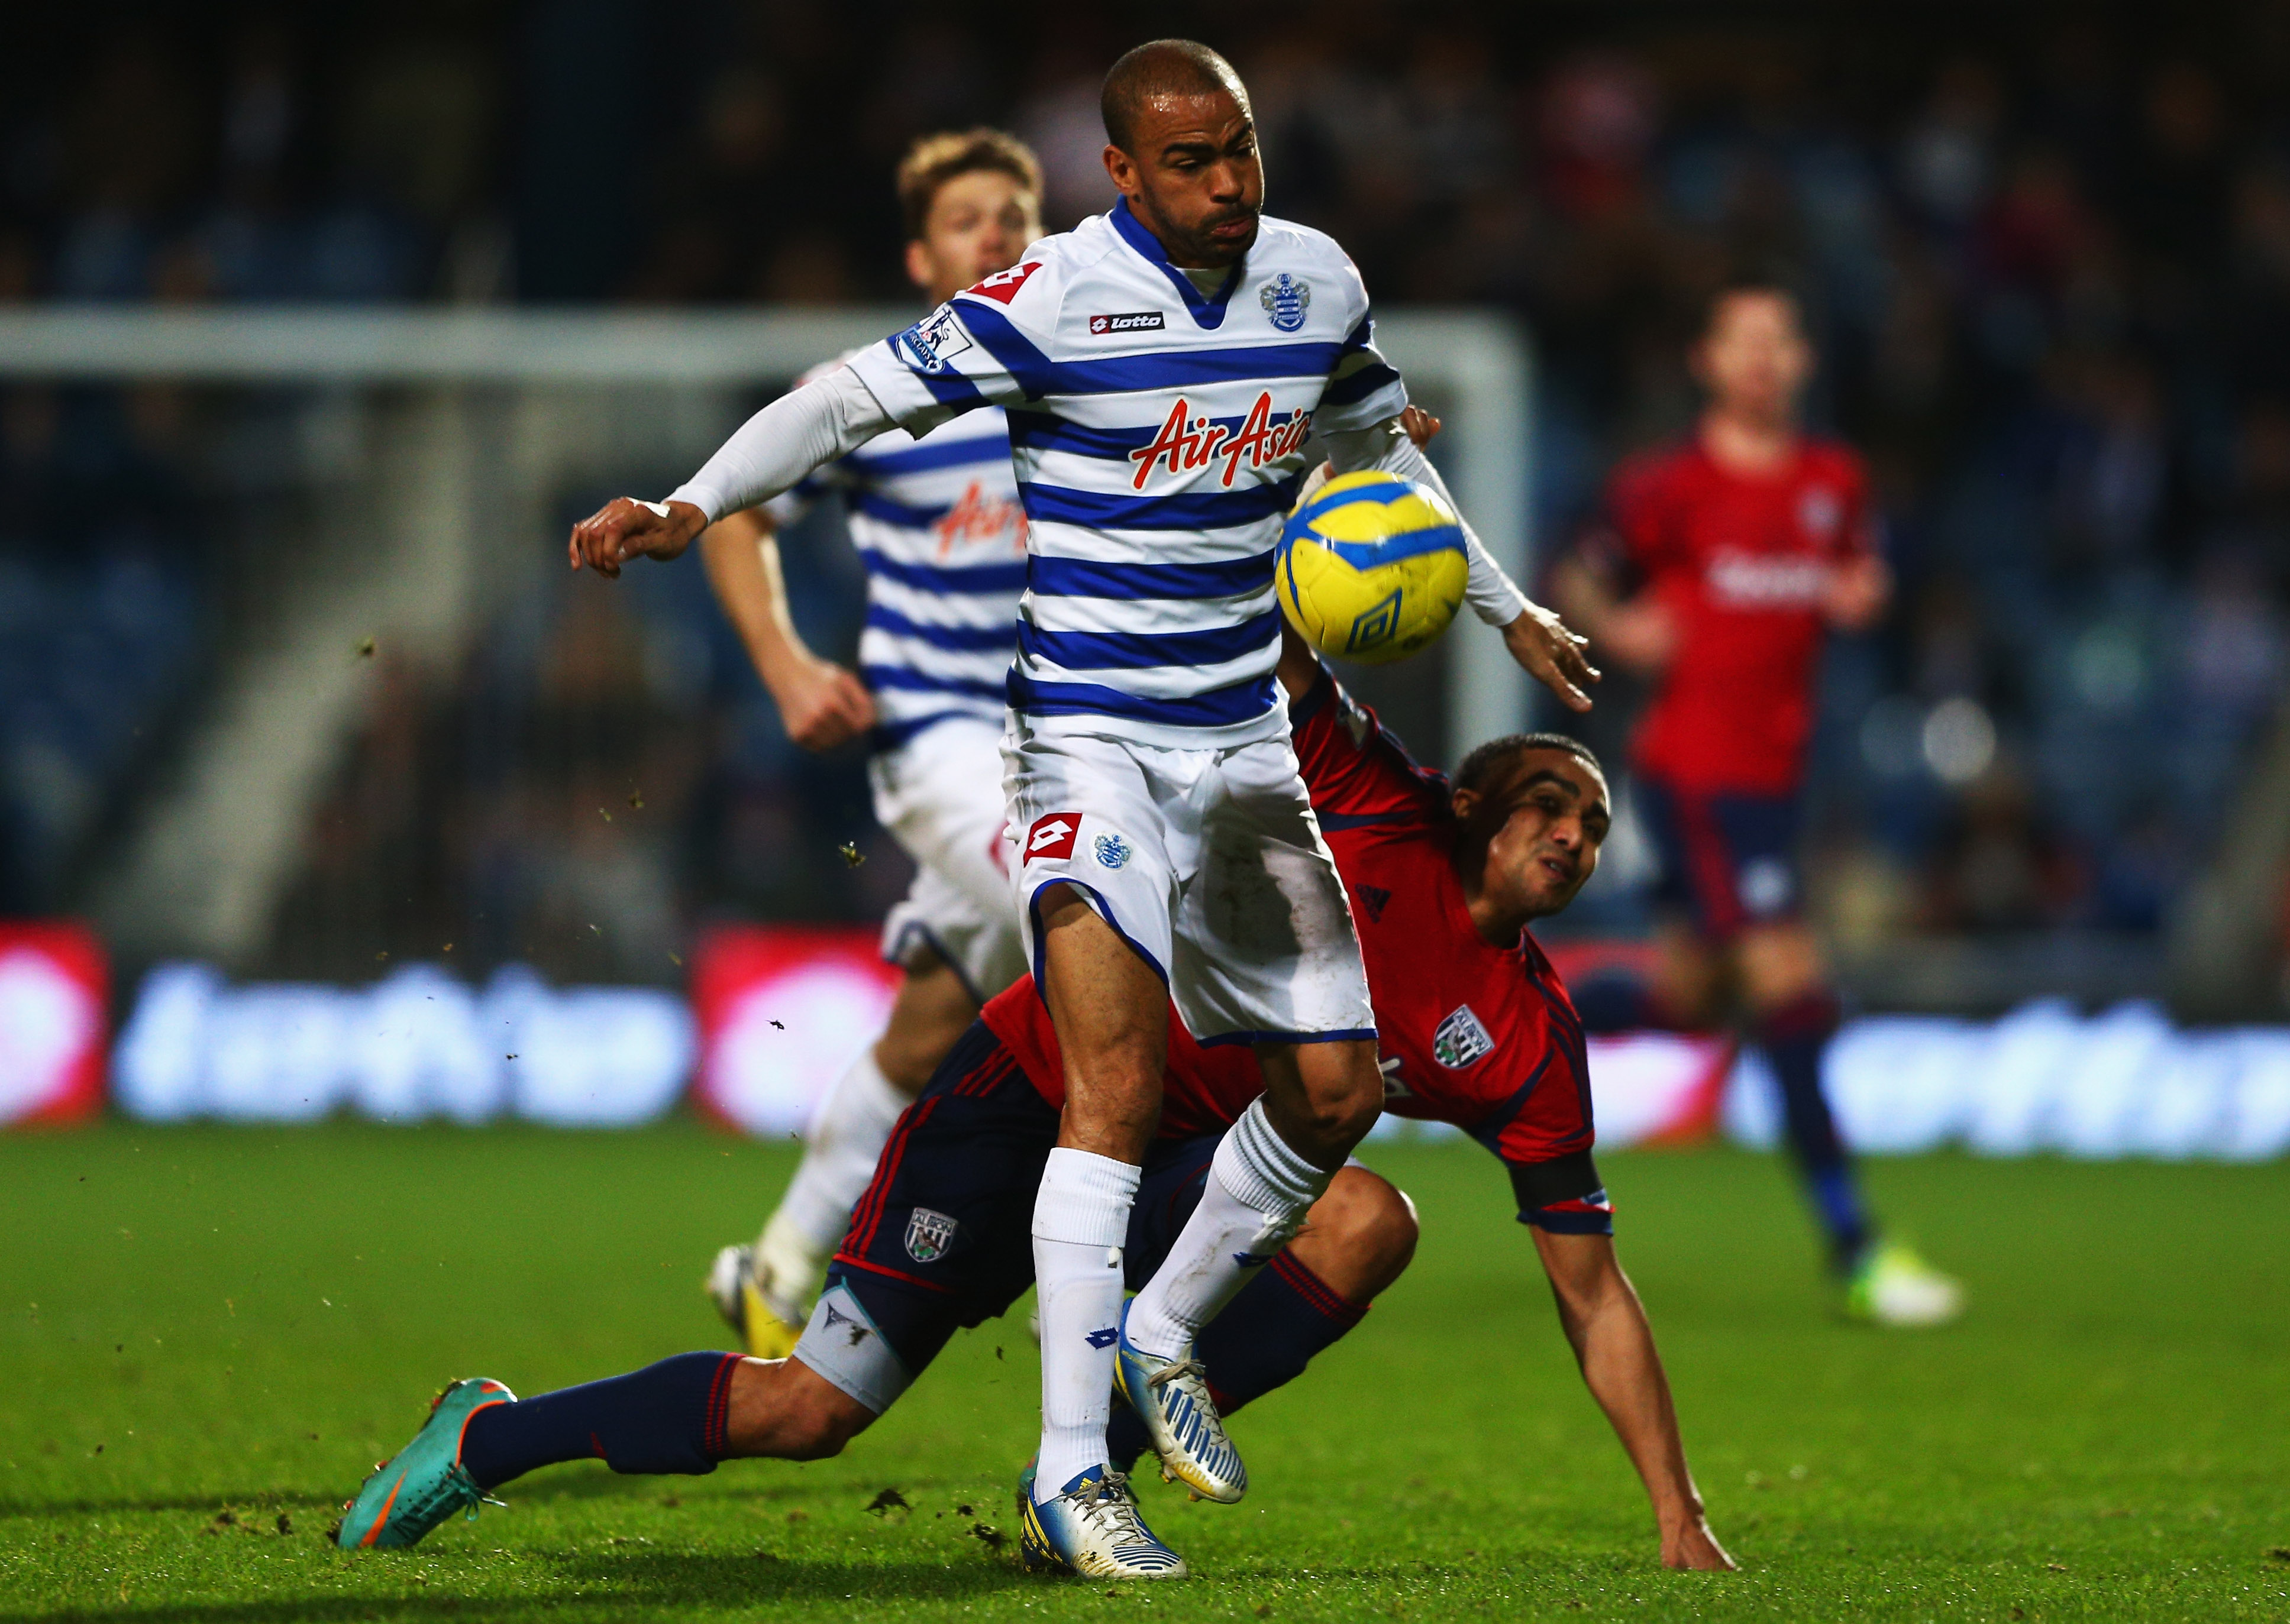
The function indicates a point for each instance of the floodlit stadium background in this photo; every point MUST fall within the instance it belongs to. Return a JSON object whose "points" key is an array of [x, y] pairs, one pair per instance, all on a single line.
{"points": [[2048, 261]]}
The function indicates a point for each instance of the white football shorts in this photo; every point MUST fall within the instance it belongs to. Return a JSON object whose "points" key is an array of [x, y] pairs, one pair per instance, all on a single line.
{"points": [[940, 795], [1209, 863]]}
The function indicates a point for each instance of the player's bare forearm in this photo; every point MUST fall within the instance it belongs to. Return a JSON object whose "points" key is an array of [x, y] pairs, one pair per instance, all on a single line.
{"points": [[1637, 633], [625, 528], [1860, 590], [1606, 1325], [822, 704]]}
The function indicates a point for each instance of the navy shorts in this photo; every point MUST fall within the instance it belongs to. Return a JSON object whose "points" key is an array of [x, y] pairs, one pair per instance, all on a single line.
{"points": [[943, 1236], [1728, 860]]}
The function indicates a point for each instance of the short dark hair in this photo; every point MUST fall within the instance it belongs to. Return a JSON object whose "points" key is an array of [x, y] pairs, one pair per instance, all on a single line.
{"points": [[933, 160], [1749, 285], [1162, 67], [1485, 765]]}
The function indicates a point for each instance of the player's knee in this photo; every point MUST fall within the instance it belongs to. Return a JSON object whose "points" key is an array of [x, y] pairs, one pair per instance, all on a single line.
{"points": [[1373, 1223]]}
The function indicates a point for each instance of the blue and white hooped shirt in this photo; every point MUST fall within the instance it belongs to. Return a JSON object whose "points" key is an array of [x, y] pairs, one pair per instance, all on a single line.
{"points": [[1157, 434], [937, 523]]}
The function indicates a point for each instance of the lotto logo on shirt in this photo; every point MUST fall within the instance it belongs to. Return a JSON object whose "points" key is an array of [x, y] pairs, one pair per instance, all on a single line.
{"points": [[1188, 442], [1052, 838], [1133, 321]]}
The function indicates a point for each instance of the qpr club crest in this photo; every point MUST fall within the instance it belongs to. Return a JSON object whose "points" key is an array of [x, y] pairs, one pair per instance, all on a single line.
{"points": [[928, 1234], [1460, 1039], [1285, 300], [1112, 851]]}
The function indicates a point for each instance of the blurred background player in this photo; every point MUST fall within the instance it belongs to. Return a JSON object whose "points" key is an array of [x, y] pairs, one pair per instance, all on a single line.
{"points": [[937, 523], [1474, 1030], [1723, 563]]}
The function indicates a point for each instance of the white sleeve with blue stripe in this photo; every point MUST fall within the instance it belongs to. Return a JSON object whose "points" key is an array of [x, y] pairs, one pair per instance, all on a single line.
{"points": [[1363, 389]]}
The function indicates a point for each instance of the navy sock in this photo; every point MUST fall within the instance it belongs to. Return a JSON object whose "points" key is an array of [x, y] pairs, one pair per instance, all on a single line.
{"points": [[666, 1417], [1264, 1338], [1794, 1038]]}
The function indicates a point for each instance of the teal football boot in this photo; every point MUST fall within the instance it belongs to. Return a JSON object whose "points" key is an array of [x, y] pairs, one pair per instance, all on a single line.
{"points": [[1172, 1397], [425, 1483], [1091, 1527]]}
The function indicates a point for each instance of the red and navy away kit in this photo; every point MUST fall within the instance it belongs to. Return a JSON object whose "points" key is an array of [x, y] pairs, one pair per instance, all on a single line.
{"points": [[1477, 1035], [1742, 562], [1471, 1034]]}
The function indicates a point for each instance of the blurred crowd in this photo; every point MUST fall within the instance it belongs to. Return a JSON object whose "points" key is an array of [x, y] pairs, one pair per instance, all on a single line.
{"points": [[2047, 258]]}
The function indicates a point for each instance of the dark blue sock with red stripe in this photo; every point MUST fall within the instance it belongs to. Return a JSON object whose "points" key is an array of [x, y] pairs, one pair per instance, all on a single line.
{"points": [[1794, 1038], [1263, 1338], [668, 1417]]}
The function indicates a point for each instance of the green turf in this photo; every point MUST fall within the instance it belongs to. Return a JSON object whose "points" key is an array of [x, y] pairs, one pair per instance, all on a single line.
{"points": [[195, 1322]]}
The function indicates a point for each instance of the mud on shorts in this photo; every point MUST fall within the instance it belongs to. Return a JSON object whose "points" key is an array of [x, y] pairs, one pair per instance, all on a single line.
{"points": [[943, 1237]]}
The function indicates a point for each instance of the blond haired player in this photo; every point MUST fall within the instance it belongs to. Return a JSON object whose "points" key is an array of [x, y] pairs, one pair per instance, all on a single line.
{"points": [[937, 523]]}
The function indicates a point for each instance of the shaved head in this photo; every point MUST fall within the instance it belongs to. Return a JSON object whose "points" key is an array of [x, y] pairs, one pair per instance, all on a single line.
{"points": [[1163, 69]]}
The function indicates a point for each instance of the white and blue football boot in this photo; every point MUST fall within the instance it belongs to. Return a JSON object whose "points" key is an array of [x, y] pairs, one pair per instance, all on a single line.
{"points": [[1172, 1397], [1091, 1527]]}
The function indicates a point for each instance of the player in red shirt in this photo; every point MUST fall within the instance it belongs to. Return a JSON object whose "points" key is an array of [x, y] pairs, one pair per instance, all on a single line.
{"points": [[1724, 564], [1474, 1028]]}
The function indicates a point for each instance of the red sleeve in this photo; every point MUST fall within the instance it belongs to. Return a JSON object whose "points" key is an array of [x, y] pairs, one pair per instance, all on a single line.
{"points": [[1356, 771], [1637, 512]]}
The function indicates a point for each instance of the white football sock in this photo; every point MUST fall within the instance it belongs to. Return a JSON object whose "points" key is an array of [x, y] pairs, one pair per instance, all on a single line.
{"points": [[1081, 1218], [845, 1137], [1258, 1192]]}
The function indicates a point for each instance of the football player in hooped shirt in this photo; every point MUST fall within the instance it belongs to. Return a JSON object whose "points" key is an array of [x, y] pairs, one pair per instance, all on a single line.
{"points": [[1160, 366], [1723, 563], [937, 524], [1474, 1030]]}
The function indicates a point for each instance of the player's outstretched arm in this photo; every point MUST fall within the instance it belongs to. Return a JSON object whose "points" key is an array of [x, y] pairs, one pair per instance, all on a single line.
{"points": [[1536, 637], [1607, 1327], [831, 415], [822, 704]]}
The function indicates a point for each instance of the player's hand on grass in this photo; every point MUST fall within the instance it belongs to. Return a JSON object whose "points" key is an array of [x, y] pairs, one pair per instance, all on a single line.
{"points": [[1552, 655], [625, 528], [1692, 1546], [822, 704]]}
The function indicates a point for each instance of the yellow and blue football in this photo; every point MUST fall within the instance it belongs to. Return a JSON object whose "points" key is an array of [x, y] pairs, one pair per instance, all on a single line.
{"points": [[1372, 567]]}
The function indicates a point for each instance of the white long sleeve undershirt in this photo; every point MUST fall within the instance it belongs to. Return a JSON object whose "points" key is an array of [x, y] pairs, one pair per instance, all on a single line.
{"points": [[1491, 594], [802, 429]]}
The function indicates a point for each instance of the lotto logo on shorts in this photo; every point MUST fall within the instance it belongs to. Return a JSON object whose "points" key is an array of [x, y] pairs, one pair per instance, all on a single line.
{"points": [[1052, 836]]}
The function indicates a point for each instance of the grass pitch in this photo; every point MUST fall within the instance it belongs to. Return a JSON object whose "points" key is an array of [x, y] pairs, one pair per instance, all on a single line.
{"points": [[207, 1336]]}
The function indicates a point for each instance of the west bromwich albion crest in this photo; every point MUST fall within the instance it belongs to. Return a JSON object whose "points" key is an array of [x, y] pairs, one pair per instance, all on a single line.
{"points": [[1285, 299], [1460, 1039], [928, 1234]]}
